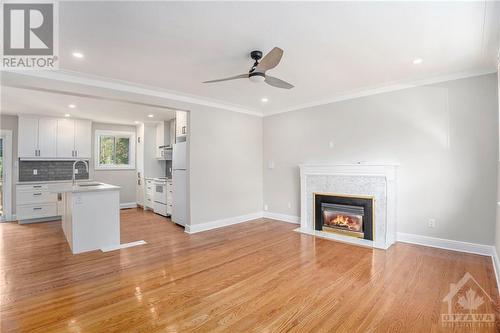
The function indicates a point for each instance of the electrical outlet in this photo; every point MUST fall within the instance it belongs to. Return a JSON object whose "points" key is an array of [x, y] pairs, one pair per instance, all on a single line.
{"points": [[35, 172], [432, 223], [289, 205], [330, 144], [266, 207]]}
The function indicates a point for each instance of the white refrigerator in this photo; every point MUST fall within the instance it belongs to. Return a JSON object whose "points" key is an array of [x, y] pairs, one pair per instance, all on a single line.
{"points": [[179, 183]]}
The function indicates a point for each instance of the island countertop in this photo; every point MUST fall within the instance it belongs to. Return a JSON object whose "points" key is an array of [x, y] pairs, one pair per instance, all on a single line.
{"points": [[82, 187]]}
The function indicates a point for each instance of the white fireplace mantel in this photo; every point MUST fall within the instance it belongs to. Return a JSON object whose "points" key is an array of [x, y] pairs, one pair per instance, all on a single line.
{"points": [[377, 180]]}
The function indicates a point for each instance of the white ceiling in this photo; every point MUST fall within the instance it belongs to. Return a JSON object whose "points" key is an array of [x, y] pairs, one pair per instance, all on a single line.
{"points": [[331, 48], [22, 101]]}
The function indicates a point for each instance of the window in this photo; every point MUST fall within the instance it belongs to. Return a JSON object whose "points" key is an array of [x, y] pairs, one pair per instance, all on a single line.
{"points": [[114, 150]]}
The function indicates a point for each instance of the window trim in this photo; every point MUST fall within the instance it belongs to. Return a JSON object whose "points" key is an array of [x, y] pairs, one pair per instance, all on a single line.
{"points": [[97, 150]]}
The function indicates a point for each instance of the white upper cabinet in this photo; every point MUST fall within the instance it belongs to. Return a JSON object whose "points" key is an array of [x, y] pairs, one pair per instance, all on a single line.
{"points": [[172, 131], [47, 137], [65, 138], [28, 137], [37, 137], [181, 123], [160, 139], [83, 138], [163, 138], [42, 137]]}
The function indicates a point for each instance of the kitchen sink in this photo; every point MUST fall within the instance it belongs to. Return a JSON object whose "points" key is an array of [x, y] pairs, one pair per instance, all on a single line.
{"points": [[89, 184]]}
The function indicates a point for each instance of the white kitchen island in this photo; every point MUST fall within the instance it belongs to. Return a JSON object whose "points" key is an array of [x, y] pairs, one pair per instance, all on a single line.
{"points": [[91, 215]]}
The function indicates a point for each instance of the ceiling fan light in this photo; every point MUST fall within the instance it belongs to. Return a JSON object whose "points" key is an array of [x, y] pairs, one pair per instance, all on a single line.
{"points": [[257, 78]]}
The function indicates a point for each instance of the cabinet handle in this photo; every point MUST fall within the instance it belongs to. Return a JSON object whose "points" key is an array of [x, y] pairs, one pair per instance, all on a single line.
{"points": [[76, 153], [37, 193], [37, 186], [183, 129], [37, 208]]}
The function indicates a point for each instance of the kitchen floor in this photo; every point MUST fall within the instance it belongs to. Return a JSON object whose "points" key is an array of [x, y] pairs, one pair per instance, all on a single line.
{"points": [[257, 276]]}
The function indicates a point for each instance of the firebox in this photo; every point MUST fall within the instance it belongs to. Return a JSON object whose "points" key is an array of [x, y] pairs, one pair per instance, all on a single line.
{"points": [[344, 214]]}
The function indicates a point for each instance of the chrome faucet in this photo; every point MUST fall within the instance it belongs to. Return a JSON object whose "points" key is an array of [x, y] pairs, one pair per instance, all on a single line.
{"points": [[74, 169]]}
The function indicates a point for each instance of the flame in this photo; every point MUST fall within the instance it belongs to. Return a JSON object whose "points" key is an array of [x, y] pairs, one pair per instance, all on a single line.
{"points": [[341, 221], [345, 221]]}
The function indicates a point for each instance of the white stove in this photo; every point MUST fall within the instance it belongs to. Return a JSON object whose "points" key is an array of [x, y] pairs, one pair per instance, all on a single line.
{"points": [[162, 198]]}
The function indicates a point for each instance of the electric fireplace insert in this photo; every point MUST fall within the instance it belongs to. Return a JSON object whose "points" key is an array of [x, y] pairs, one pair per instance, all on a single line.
{"points": [[344, 214]]}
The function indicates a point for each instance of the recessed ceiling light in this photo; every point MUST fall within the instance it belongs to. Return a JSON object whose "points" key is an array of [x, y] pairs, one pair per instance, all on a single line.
{"points": [[150, 115], [417, 61], [264, 99], [67, 115], [136, 122], [72, 106], [78, 55]]}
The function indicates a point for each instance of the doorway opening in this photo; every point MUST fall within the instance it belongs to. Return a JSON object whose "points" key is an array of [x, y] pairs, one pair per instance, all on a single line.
{"points": [[5, 175]]}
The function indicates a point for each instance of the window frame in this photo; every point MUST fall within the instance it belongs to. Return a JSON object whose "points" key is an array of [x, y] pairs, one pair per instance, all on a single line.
{"points": [[115, 134]]}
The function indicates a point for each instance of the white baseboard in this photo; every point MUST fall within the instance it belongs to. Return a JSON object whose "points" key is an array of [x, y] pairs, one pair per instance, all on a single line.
{"points": [[496, 266], [191, 229], [126, 205], [11, 218], [282, 217], [447, 244]]}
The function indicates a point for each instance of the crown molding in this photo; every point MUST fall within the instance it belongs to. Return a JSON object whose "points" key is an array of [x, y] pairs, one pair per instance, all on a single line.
{"points": [[124, 86], [395, 86]]}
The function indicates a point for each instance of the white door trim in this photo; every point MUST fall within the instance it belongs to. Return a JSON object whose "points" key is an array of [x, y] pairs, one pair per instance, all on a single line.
{"points": [[7, 176]]}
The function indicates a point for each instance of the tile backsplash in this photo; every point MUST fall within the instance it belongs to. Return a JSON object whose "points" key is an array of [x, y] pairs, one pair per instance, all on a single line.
{"points": [[49, 171]]}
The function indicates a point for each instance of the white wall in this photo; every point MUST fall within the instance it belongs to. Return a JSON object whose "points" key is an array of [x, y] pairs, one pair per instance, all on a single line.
{"points": [[497, 226], [445, 136], [225, 161], [8, 122], [124, 178]]}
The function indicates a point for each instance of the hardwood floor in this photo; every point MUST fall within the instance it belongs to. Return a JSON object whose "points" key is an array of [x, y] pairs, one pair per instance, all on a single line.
{"points": [[258, 276]]}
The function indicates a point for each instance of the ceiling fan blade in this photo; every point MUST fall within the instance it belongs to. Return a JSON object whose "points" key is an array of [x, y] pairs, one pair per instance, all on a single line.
{"points": [[275, 82], [270, 60], [241, 76]]}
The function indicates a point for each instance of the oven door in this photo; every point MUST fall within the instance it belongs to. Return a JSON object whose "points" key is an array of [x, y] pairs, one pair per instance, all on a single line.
{"points": [[160, 193]]}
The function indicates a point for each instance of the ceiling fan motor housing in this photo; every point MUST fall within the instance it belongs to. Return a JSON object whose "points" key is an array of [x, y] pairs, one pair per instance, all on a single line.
{"points": [[257, 77]]}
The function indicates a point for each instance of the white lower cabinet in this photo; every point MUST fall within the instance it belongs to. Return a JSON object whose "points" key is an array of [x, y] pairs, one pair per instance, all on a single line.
{"points": [[169, 197], [148, 204], [37, 211], [35, 202], [34, 197]]}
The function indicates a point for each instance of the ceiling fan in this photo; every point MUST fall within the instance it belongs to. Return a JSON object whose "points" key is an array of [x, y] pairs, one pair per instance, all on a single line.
{"points": [[258, 71]]}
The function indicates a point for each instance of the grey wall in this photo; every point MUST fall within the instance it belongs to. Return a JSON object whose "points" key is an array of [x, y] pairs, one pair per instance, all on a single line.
{"points": [[225, 161], [445, 136], [124, 178]]}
